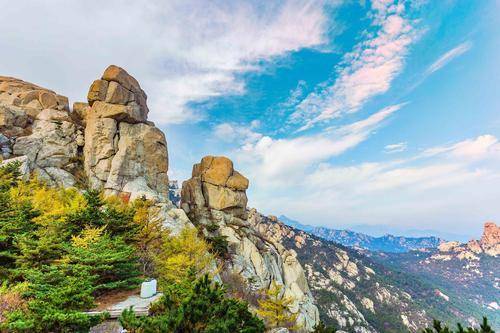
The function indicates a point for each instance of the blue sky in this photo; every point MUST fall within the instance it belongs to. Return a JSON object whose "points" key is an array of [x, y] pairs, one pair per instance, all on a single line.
{"points": [[341, 113]]}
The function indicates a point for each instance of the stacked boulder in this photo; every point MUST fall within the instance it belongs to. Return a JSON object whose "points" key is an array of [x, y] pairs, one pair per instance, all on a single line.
{"points": [[216, 185], [123, 151], [215, 196], [36, 123]]}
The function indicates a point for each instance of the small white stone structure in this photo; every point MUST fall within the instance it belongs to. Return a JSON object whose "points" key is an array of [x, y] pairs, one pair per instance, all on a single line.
{"points": [[148, 288]]}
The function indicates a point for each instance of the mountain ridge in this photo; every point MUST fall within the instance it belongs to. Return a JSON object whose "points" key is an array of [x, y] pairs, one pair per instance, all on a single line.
{"points": [[386, 243]]}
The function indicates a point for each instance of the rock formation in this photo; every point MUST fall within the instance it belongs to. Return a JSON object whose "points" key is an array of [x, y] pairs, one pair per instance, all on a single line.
{"points": [[489, 244], [35, 122], [215, 196], [123, 152]]}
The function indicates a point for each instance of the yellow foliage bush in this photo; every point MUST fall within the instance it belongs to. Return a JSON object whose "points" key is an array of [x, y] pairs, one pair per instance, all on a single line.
{"points": [[150, 233], [274, 308], [181, 255], [87, 237]]}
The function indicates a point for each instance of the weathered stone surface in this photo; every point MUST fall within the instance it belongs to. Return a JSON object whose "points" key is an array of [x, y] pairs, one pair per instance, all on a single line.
{"points": [[57, 176], [50, 150], [118, 74], [47, 99], [99, 149], [14, 121], [192, 193], [237, 181], [126, 113], [5, 146], [216, 170], [97, 91], [123, 152], [138, 97], [142, 152], [116, 94], [79, 113], [55, 115], [221, 198], [20, 93], [222, 187]]}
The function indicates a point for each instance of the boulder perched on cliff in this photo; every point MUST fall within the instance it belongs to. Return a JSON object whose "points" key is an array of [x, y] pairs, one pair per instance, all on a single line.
{"points": [[216, 185], [215, 200], [123, 152]]}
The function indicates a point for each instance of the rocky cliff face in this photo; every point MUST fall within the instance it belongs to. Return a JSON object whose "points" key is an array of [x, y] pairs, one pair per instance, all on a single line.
{"points": [[351, 291], [465, 276], [109, 143], [215, 200]]}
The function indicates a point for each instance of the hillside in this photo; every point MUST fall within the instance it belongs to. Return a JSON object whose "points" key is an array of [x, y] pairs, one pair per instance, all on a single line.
{"points": [[466, 276], [358, 291], [386, 243]]}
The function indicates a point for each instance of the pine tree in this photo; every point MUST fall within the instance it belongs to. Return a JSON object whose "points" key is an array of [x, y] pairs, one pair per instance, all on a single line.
{"points": [[322, 328], [437, 327], [188, 307]]}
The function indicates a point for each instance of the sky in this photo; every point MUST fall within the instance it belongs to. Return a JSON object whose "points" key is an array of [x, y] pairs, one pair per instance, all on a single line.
{"points": [[383, 114]]}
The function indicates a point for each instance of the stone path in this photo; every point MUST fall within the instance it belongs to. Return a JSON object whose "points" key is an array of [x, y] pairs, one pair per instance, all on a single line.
{"points": [[138, 304]]}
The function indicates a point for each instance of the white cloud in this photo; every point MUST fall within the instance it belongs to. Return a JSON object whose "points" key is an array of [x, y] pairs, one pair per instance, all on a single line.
{"points": [[238, 133], [396, 148], [484, 145], [278, 162], [180, 51], [449, 56], [366, 72], [452, 188]]}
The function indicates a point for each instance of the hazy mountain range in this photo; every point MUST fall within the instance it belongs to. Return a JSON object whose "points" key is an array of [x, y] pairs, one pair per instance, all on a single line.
{"points": [[385, 243]]}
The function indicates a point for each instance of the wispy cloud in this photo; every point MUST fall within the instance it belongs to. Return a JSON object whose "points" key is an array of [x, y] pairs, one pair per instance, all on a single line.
{"points": [[182, 52], [396, 148], [238, 133], [365, 72], [281, 162], [449, 56]]}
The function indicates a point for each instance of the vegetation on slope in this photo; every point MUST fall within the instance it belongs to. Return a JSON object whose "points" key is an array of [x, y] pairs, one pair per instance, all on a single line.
{"points": [[61, 249]]}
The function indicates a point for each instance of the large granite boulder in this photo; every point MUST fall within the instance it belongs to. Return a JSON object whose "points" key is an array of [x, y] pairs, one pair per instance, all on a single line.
{"points": [[215, 185], [123, 152]]}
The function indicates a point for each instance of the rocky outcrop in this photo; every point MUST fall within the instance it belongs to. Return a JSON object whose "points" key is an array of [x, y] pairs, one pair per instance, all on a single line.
{"points": [[35, 122], [490, 241], [489, 244], [215, 200], [120, 150], [215, 185], [123, 152]]}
